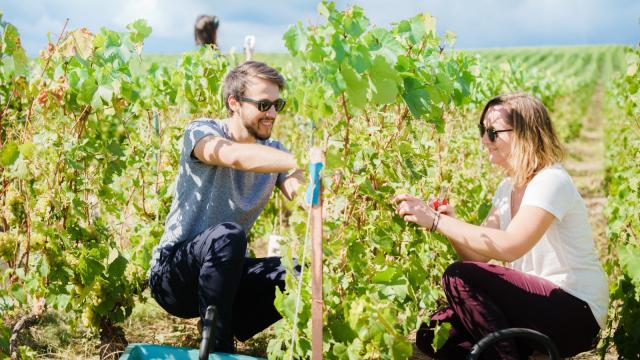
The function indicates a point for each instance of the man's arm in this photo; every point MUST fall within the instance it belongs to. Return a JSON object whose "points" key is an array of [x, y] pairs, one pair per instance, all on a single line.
{"points": [[215, 150]]}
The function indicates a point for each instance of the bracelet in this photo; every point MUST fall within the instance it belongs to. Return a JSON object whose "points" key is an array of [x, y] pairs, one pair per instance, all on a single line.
{"points": [[434, 224]]}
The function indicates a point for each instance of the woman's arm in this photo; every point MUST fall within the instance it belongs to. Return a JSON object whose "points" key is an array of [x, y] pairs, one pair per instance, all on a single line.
{"points": [[481, 243], [491, 221], [524, 231]]}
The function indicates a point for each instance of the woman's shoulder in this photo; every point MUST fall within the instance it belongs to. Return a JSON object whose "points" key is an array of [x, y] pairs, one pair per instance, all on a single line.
{"points": [[553, 175], [553, 171]]}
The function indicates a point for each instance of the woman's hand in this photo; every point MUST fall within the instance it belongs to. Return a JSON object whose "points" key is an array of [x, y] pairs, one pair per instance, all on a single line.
{"points": [[415, 210], [445, 209]]}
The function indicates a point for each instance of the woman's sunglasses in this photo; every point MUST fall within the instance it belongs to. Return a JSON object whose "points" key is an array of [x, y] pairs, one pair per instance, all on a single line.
{"points": [[491, 132], [265, 105]]}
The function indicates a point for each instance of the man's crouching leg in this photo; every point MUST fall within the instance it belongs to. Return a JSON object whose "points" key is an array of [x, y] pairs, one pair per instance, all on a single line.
{"points": [[253, 310], [202, 272]]}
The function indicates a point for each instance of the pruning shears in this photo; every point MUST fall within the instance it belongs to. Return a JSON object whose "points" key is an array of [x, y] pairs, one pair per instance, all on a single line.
{"points": [[442, 198]]}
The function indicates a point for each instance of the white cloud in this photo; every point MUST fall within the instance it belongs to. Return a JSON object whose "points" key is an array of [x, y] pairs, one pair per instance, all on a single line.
{"points": [[169, 19]]}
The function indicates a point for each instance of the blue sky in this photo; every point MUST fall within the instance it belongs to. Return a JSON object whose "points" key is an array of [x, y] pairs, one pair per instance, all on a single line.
{"points": [[477, 23]]}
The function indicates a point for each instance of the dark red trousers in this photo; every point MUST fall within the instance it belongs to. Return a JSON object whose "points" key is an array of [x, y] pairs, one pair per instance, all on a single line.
{"points": [[485, 298]]}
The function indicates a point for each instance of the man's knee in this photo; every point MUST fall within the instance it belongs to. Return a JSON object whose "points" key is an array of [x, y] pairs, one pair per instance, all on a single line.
{"points": [[228, 240], [234, 232]]}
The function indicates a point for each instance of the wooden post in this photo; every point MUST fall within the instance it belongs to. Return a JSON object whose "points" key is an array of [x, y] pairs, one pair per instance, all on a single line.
{"points": [[316, 268], [316, 279]]}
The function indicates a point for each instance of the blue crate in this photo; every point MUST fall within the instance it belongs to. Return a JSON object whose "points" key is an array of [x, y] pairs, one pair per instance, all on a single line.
{"points": [[161, 352]]}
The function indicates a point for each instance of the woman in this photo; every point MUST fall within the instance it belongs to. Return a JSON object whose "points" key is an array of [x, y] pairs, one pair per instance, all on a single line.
{"points": [[538, 223]]}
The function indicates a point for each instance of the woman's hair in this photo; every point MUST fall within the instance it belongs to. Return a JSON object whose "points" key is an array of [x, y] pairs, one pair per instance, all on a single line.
{"points": [[535, 144], [235, 83], [206, 29]]}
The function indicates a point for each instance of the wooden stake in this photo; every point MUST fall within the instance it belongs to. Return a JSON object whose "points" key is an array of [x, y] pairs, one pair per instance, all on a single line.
{"points": [[316, 279]]}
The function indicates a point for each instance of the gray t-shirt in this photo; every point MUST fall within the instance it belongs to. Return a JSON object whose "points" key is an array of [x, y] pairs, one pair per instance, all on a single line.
{"points": [[208, 195]]}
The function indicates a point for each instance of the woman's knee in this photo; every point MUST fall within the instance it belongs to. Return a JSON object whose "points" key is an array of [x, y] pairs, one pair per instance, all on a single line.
{"points": [[456, 273]]}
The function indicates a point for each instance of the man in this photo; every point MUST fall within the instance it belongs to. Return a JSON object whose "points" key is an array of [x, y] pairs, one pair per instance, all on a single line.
{"points": [[228, 170]]}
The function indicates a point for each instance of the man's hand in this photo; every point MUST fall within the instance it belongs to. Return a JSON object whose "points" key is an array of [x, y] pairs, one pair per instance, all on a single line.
{"points": [[291, 184]]}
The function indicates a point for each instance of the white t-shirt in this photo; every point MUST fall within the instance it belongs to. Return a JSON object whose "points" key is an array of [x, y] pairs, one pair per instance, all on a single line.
{"points": [[566, 254]]}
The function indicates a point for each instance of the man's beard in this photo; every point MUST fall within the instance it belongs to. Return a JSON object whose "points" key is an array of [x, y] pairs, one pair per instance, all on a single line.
{"points": [[253, 130]]}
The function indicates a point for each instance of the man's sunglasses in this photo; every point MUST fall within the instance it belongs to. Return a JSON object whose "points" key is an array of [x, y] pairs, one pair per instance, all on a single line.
{"points": [[265, 105], [491, 132]]}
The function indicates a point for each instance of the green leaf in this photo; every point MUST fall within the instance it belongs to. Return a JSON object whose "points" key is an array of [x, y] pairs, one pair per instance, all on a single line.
{"points": [[416, 97], [402, 349], [422, 25], [339, 47], [384, 81], [5, 335], [10, 40], [117, 267], [87, 89], [88, 269], [140, 30], [357, 87], [445, 84], [450, 37], [18, 293], [291, 39], [630, 261], [27, 150], [355, 23], [9, 153], [441, 335], [43, 268], [381, 42], [359, 59], [385, 276], [341, 331], [105, 92], [20, 62], [323, 9]]}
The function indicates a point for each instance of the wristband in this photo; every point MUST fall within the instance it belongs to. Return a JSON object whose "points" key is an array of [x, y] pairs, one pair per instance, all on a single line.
{"points": [[434, 225]]}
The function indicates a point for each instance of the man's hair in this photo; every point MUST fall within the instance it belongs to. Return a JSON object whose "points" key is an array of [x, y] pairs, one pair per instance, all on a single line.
{"points": [[535, 144], [206, 29], [236, 81]]}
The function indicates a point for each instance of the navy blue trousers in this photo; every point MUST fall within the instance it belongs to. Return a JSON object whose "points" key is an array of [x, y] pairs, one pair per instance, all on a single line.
{"points": [[212, 269]]}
